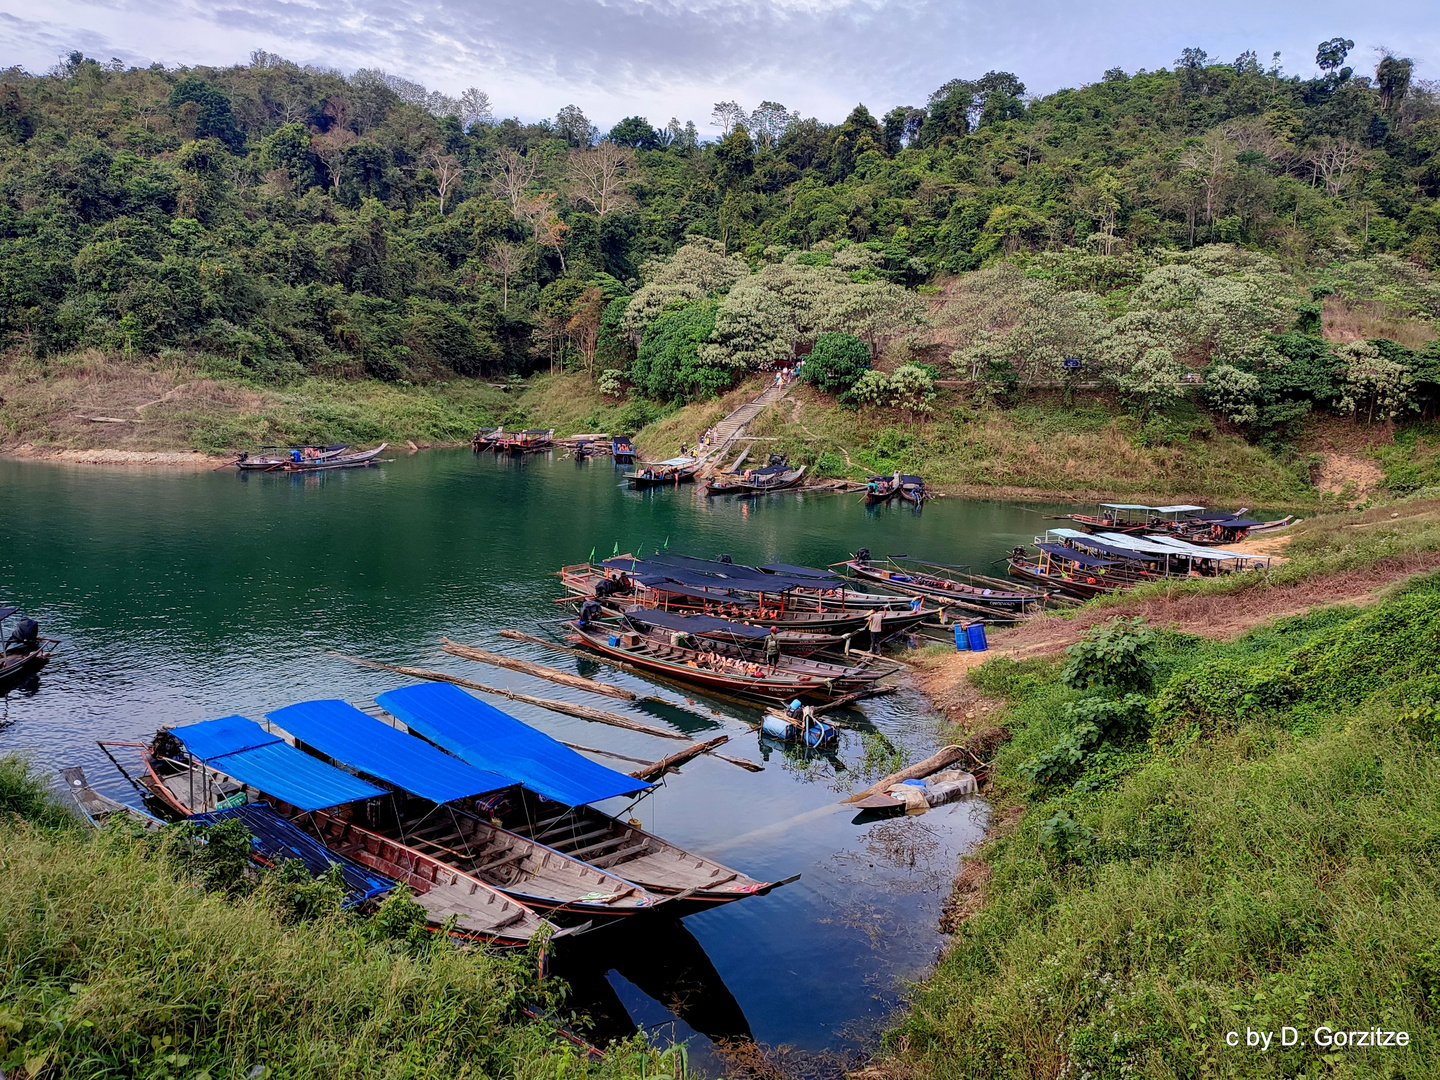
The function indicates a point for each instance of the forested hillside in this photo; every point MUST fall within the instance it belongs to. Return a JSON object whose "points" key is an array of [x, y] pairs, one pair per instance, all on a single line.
{"points": [[1259, 242]]}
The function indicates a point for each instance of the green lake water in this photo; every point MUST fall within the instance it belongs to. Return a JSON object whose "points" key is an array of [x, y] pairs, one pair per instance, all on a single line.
{"points": [[183, 596]]}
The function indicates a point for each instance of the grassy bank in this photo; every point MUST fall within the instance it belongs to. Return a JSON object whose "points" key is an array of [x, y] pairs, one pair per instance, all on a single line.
{"points": [[1044, 447], [1248, 843], [183, 403], [114, 961]]}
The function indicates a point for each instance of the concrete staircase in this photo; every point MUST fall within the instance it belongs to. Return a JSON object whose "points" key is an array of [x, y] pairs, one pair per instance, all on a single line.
{"points": [[732, 429]]}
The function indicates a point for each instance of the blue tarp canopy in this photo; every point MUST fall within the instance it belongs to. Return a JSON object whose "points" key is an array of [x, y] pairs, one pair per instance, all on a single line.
{"points": [[341, 731], [694, 624], [242, 749], [490, 739], [275, 839], [1071, 555]]}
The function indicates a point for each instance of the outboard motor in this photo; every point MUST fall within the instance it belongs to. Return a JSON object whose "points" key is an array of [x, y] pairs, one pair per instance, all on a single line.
{"points": [[724, 559], [25, 638], [863, 555], [589, 610]]}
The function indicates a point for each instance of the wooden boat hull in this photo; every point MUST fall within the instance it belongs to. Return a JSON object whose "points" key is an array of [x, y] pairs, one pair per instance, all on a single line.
{"points": [[16, 669], [1029, 570], [585, 892], [875, 498], [639, 482], [744, 487], [952, 592], [777, 686], [348, 461], [693, 882]]}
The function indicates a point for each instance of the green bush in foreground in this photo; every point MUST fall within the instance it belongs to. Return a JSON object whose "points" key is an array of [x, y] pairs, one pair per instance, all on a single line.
{"points": [[114, 962], [1270, 857]]}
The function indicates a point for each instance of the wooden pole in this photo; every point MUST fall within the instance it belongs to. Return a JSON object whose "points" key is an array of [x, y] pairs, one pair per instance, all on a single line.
{"points": [[584, 712], [540, 671], [675, 760], [934, 763]]}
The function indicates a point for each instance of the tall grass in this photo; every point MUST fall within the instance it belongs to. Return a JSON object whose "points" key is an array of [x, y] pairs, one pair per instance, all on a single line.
{"points": [[113, 964], [1278, 864]]}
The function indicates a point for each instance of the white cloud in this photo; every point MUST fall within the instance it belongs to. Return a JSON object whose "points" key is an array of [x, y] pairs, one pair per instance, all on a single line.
{"points": [[660, 58]]}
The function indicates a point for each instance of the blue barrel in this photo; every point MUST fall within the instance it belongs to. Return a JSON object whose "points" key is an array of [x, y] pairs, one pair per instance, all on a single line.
{"points": [[962, 638], [777, 727], [614, 640], [977, 637]]}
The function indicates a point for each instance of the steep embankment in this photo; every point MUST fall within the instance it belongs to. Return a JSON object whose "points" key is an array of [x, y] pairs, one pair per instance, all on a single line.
{"points": [[1247, 844]]}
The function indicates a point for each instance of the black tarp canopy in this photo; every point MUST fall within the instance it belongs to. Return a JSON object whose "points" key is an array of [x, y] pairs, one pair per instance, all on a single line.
{"points": [[707, 575], [1071, 555], [662, 583], [694, 624], [803, 572]]}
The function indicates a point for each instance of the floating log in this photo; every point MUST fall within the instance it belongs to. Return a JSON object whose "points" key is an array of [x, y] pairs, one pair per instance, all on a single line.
{"points": [[583, 712], [540, 671], [675, 760], [934, 763], [849, 699], [516, 635]]}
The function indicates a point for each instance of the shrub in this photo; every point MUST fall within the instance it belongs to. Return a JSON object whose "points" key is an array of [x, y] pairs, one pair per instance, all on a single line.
{"points": [[1117, 655], [668, 363], [836, 363]]}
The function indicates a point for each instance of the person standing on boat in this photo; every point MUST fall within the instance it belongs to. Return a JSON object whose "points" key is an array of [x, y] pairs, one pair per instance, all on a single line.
{"points": [[876, 625], [772, 649]]}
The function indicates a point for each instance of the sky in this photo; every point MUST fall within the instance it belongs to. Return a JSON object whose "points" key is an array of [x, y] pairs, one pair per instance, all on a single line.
{"points": [[664, 58]]}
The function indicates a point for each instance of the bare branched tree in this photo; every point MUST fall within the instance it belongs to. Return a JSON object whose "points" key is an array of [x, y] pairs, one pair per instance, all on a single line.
{"points": [[330, 146], [1331, 160], [446, 169], [727, 115], [510, 174], [506, 260], [597, 177], [1211, 161]]}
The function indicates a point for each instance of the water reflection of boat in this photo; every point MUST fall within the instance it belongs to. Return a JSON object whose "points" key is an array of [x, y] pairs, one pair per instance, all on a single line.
{"points": [[667, 963]]}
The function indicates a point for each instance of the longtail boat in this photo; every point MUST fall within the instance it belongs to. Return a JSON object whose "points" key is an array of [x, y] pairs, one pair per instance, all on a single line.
{"points": [[912, 489], [24, 653], [551, 805], [945, 585], [529, 441], [296, 461], [880, 489], [441, 806], [750, 635], [806, 616], [777, 477], [486, 438], [99, 809], [201, 768], [669, 473], [801, 588], [623, 450], [727, 668]]}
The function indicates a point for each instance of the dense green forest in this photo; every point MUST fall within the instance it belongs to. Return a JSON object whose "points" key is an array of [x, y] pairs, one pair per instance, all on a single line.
{"points": [[1156, 230]]}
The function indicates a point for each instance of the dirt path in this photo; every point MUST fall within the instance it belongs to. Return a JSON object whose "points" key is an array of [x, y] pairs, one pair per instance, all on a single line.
{"points": [[1217, 616]]}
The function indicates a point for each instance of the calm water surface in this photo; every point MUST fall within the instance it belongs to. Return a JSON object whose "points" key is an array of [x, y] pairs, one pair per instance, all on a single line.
{"points": [[182, 596]]}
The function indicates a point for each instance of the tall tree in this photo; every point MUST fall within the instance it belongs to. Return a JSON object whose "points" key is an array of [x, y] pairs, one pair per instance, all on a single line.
{"points": [[598, 176]]}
